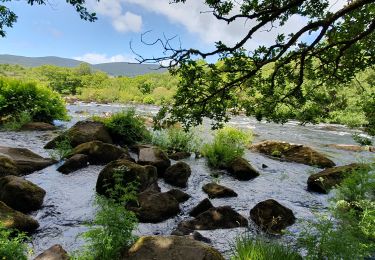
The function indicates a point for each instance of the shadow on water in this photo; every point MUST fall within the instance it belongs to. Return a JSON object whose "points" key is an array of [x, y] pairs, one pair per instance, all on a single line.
{"points": [[69, 200]]}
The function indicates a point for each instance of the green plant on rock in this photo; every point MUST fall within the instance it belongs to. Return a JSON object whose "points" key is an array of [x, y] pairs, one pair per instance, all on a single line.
{"points": [[15, 123], [111, 231], [12, 244], [63, 148], [228, 144], [126, 127], [247, 248], [362, 140]]}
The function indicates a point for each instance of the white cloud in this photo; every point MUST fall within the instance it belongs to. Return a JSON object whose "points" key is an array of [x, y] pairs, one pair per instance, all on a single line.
{"points": [[128, 23], [121, 21], [96, 58]]}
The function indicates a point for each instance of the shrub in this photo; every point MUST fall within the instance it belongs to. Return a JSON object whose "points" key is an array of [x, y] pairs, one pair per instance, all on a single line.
{"points": [[175, 139], [111, 230], [228, 144], [362, 140], [63, 148], [12, 244], [247, 248], [40, 102], [15, 123], [126, 127]]}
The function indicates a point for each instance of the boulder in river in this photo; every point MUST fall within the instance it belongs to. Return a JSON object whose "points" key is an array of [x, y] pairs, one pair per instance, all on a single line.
{"points": [[101, 153], [215, 218], [38, 126], [179, 195], [218, 191], [242, 170], [74, 163], [14, 219], [82, 132], [55, 252], [293, 152], [154, 207], [325, 180], [201, 207], [179, 155], [25, 160], [178, 174], [170, 248], [271, 216], [155, 157], [7, 166], [128, 172], [20, 194], [352, 147]]}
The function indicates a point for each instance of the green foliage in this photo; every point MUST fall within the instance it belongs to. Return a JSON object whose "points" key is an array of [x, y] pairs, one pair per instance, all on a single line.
{"points": [[111, 230], [126, 127], [63, 149], [228, 144], [175, 139], [12, 245], [41, 103], [362, 140], [250, 248], [350, 232], [15, 123]]}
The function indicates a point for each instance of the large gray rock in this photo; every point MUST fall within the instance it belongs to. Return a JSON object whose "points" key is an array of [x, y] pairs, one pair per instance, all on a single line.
{"points": [[82, 132], [170, 248], [215, 218], [293, 152], [25, 160], [74, 163], [154, 207], [178, 174], [155, 157], [271, 216], [55, 252], [7, 166], [14, 219], [20, 194], [128, 172], [101, 153], [325, 180], [38, 126]]}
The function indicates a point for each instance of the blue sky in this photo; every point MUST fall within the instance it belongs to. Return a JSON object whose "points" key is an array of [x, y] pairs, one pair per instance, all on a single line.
{"points": [[56, 29]]}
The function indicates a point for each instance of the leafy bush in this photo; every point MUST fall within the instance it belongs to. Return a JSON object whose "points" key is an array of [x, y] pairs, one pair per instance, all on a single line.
{"points": [[228, 144], [40, 102], [175, 139], [349, 233], [247, 248], [126, 127], [15, 123], [63, 148], [111, 230], [12, 244]]}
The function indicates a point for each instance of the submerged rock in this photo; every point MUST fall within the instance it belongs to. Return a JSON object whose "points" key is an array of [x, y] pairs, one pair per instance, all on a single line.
{"points": [[101, 153], [38, 126], [14, 219], [178, 174], [128, 172], [20, 194], [353, 148], [271, 216], [76, 162], [155, 157], [179, 195], [7, 166], [242, 170], [293, 153], [201, 207], [55, 252], [218, 191], [25, 160], [171, 248], [325, 180], [215, 218], [154, 207], [82, 132]]}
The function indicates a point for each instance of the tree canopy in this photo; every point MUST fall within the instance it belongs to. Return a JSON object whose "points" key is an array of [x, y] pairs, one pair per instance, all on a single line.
{"points": [[298, 76], [8, 17]]}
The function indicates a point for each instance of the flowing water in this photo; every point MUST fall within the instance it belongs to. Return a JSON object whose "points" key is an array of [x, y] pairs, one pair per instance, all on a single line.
{"points": [[69, 200]]}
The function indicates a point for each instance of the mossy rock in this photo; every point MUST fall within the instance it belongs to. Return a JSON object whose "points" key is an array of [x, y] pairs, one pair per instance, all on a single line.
{"points": [[178, 174], [170, 248], [218, 191], [7, 166], [155, 157], [20, 194], [13, 219]]}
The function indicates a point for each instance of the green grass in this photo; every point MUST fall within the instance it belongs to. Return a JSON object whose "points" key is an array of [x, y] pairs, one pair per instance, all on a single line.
{"points": [[15, 123], [12, 244], [249, 248]]}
